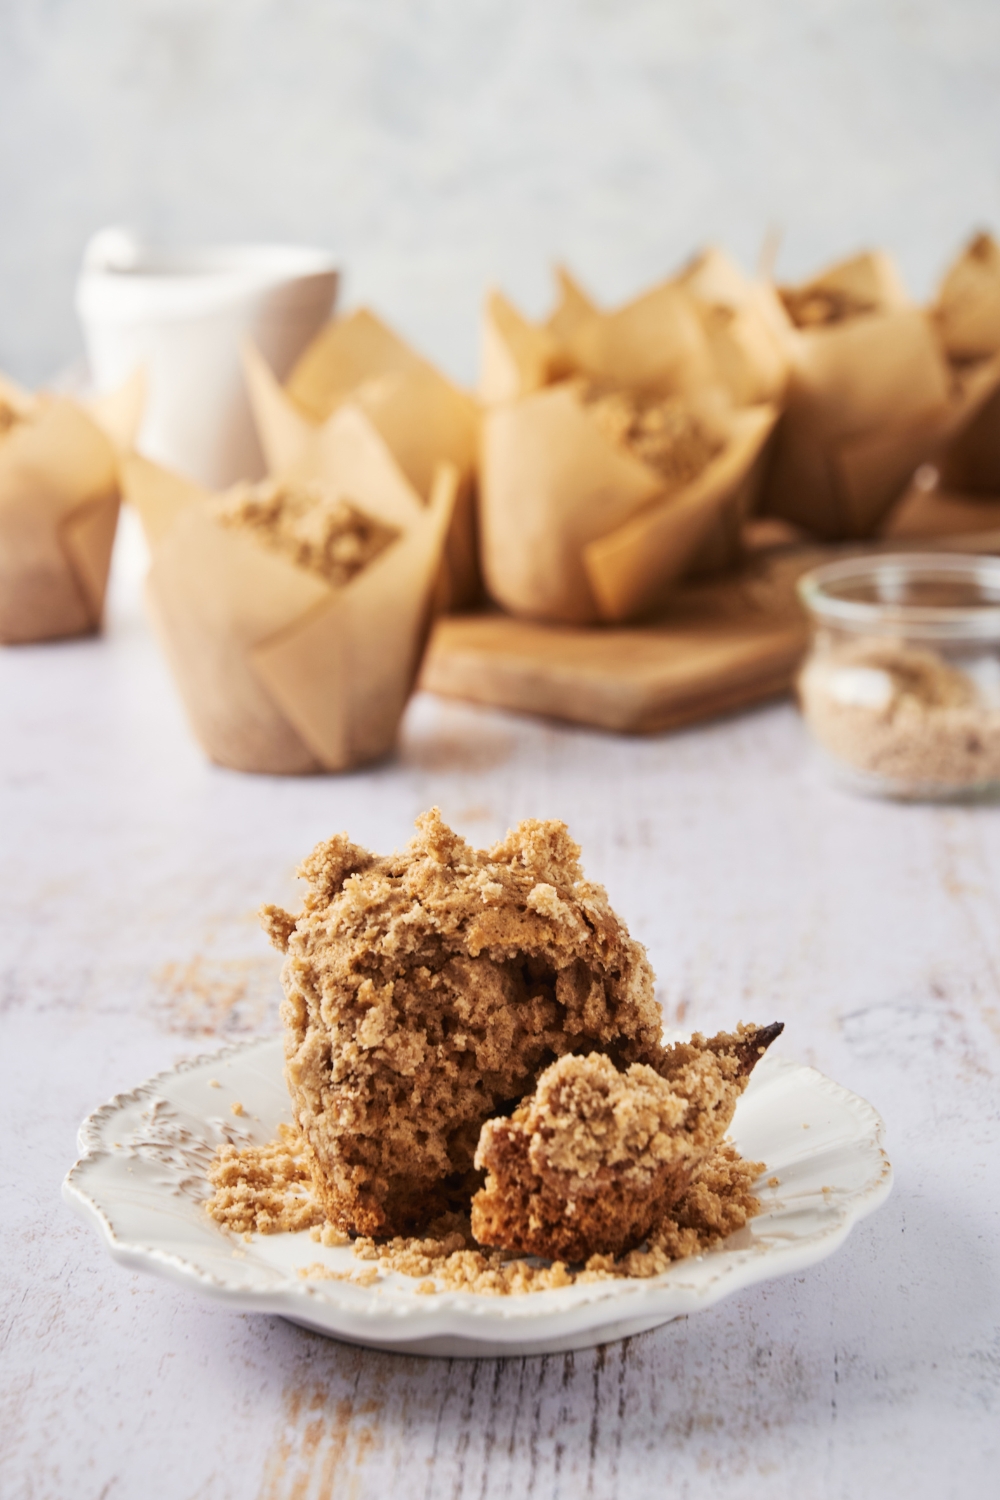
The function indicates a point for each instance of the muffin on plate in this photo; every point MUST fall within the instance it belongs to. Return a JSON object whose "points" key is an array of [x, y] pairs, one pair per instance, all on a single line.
{"points": [[426, 992]]}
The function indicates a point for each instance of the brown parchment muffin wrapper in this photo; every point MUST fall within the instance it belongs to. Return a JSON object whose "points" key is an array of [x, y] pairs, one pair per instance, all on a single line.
{"points": [[578, 529], [59, 498], [967, 306], [423, 419], [871, 396], [967, 310], [745, 325], [654, 343], [708, 326], [279, 670]]}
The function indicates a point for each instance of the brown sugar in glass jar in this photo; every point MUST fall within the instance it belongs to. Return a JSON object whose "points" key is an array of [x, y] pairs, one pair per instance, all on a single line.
{"points": [[901, 687]]}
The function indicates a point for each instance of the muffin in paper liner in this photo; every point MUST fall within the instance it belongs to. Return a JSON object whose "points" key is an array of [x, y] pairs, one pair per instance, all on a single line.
{"points": [[710, 325], [745, 326], [421, 416], [967, 311], [577, 525], [872, 394], [967, 307], [59, 497], [280, 669]]}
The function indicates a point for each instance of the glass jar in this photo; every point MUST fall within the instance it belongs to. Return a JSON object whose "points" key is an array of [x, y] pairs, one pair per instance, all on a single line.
{"points": [[901, 687]]}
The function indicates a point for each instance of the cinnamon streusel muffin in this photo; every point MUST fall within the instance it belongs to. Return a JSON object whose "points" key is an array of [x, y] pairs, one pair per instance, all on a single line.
{"points": [[426, 991], [595, 1158]]}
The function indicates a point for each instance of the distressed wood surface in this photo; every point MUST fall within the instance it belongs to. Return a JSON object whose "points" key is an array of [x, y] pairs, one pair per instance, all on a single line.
{"points": [[130, 875]]}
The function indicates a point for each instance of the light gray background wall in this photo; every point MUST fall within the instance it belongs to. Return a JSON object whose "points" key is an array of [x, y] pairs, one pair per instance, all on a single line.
{"points": [[440, 145]]}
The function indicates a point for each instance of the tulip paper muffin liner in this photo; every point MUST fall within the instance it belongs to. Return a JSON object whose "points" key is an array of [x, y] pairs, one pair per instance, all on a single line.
{"points": [[576, 529], [423, 419], [279, 670], [870, 398], [709, 326], [968, 316], [575, 526]]}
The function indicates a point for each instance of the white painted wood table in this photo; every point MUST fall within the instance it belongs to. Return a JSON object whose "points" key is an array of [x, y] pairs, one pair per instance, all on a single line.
{"points": [[131, 871]]}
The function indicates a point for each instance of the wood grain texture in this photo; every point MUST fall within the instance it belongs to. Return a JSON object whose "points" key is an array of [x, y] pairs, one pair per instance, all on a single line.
{"points": [[131, 871], [634, 681], [722, 645]]}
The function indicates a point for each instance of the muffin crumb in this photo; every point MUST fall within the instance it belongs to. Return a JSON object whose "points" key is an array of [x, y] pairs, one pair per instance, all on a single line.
{"points": [[306, 523], [661, 431], [319, 1272], [718, 1202], [264, 1188], [822, 306], [259, 1187]]}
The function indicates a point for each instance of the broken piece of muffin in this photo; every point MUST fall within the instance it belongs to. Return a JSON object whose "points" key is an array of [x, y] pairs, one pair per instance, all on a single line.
{"points": [[663, 431], [596, 1158], [427, 991]]}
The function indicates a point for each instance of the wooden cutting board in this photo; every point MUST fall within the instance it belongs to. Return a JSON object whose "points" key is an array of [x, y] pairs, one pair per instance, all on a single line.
{"points": [[723, 645]]}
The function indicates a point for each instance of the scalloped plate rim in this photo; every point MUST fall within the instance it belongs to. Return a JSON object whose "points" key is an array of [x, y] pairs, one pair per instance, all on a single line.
{"points": [[462, 1319]]}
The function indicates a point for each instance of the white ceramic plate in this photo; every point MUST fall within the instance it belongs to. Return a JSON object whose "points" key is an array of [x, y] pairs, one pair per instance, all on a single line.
{"points": [[141, 1180]]}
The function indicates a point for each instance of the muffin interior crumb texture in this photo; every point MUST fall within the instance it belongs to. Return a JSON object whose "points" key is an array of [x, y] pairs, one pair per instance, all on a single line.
{"points": [[307, 524], [426, 992], [595, 1158], [903, 715], [662, 431]]}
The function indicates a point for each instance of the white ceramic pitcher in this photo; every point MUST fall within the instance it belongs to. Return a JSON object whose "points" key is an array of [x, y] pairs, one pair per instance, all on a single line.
{"points": [[183, 318]]}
